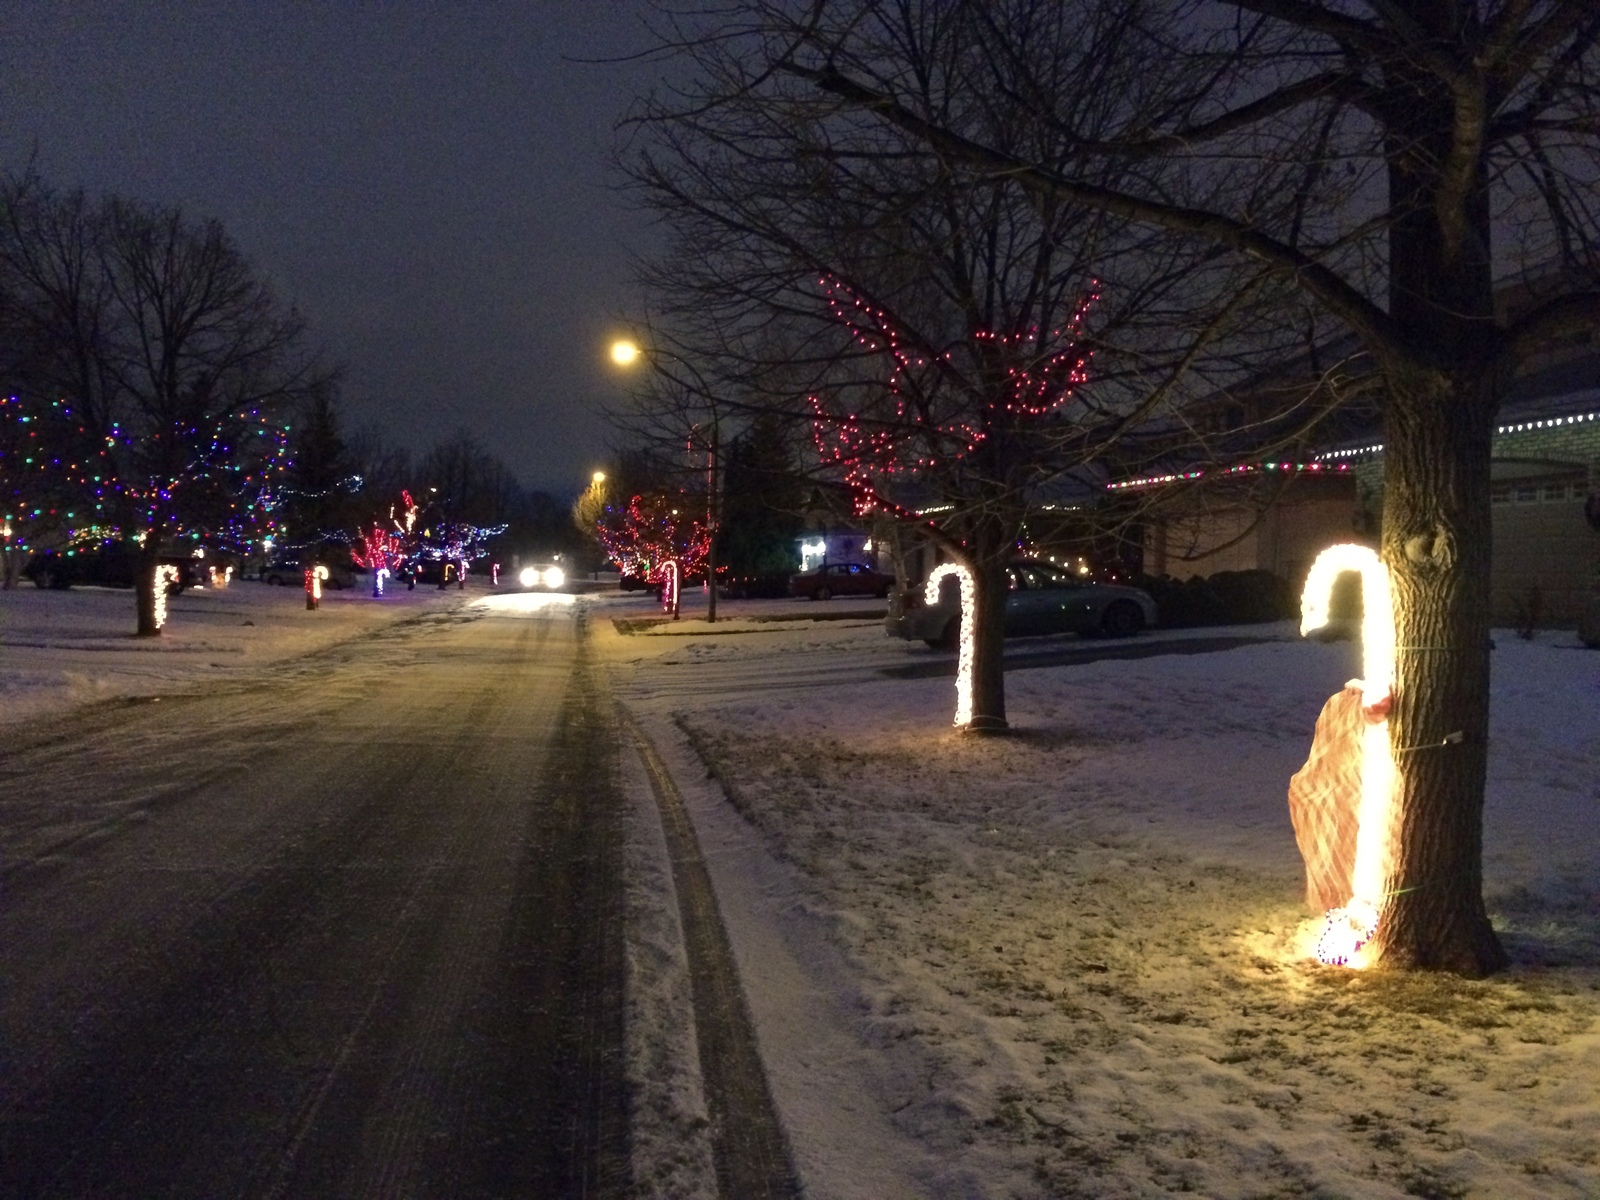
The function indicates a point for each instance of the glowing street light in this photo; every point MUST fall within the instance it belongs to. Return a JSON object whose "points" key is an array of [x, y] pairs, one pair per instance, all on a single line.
{"points": [[624, 353], [597, 478]]}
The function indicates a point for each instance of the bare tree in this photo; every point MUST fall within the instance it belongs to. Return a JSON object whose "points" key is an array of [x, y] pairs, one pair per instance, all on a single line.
{"points": [[926, 318], [1439, 146]]}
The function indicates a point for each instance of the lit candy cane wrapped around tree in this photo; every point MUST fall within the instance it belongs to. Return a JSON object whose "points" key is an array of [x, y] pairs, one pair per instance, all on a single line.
{"points": [[166, 575], [669, 587], [968, 623], [314, 578], [1342, 800]]}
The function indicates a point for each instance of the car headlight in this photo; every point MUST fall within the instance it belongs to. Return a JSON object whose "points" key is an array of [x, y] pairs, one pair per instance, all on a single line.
{"points": [[554, 577], [528, 577]]}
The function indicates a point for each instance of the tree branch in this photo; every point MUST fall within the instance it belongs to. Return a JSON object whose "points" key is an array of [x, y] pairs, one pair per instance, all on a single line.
{"points": [[1374, 326], [1572, 313], [1335, 85]]}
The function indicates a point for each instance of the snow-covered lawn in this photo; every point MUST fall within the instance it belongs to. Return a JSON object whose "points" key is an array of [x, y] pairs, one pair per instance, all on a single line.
{"points": [[62, 649], [1079, 954]]}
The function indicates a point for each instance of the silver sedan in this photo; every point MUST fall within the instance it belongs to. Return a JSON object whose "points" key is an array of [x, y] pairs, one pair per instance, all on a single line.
{"points": [[1042, 599]]}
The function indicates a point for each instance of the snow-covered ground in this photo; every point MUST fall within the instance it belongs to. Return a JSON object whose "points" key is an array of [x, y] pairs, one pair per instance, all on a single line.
{"points": [[62, 649], [1073, 962]]}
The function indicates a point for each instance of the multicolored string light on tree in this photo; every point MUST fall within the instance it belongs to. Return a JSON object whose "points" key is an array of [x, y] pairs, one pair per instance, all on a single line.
{"points": [[651, 532]]}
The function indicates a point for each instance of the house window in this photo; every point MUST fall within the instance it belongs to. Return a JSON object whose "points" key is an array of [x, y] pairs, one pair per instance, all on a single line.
{"points": [[1500, 493], [1526, 493], [1555, 493]]}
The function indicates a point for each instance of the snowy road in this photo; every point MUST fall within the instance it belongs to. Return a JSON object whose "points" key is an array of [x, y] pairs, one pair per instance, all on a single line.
{"points": [[349, 928]]}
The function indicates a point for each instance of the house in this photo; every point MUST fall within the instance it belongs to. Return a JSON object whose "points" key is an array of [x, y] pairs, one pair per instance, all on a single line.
{"points": [[1545, 490]]}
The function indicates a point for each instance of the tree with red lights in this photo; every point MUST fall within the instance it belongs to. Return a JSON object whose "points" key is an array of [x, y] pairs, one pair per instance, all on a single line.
{"points": [[928, 326], [947, 434], [379, 549], [652, 531]]}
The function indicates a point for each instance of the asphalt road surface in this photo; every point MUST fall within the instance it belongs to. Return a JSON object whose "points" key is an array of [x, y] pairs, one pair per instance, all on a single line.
{"points": [[352, 931]]}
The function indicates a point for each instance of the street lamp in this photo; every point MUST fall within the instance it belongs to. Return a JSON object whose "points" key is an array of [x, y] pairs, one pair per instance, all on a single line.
{"points": [[624, 353]]}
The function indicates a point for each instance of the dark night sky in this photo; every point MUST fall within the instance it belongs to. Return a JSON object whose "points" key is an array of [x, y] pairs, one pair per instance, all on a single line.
{"points": [[428, 183]]}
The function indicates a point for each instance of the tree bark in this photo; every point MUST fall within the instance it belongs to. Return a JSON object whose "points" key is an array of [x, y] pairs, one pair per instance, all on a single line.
{"points": [[1437, 535], [1436, 544]]}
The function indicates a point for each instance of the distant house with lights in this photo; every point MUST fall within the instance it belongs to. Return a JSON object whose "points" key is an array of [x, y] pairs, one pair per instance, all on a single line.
{"points": [[842, 546], [1276, 516]]}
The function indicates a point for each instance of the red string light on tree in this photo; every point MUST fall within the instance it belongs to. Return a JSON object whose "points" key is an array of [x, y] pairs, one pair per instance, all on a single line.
{"points": [[922, 414], [379, 551]]}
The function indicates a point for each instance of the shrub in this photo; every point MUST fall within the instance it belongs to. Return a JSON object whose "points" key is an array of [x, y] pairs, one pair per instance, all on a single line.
{"points": [[1226, 598]]}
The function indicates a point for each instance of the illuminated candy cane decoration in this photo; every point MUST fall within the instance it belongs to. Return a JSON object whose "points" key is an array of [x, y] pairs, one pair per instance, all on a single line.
{"points": [[378, 577], [165, 574], [1346, 930], [969, 595], [314, 578], [669, 594]]}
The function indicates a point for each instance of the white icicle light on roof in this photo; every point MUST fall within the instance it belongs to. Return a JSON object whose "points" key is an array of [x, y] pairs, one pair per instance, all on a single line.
{"points": [[964, 659], [1518, 427], [1348, 929]]}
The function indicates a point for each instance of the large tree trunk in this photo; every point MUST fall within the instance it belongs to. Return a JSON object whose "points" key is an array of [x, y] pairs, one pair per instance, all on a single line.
{"points": [[1437, 531], [1436, 543]]}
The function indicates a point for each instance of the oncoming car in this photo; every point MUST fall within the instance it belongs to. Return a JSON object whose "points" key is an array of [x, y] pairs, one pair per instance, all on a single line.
{"points": [[1041, 599], [542, 577]]}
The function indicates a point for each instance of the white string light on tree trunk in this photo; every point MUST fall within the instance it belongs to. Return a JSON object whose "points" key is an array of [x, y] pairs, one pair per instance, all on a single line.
{"points": [[964, 659]]}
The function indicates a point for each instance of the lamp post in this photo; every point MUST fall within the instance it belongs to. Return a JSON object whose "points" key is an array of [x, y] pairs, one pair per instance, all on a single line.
{"points": [[625, 353]]}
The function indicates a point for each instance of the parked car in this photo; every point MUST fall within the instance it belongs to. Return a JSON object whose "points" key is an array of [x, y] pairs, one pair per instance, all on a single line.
{"points": [[1042, 599], [764, 585], [285, 569], [114, 564], [840, 579]]}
